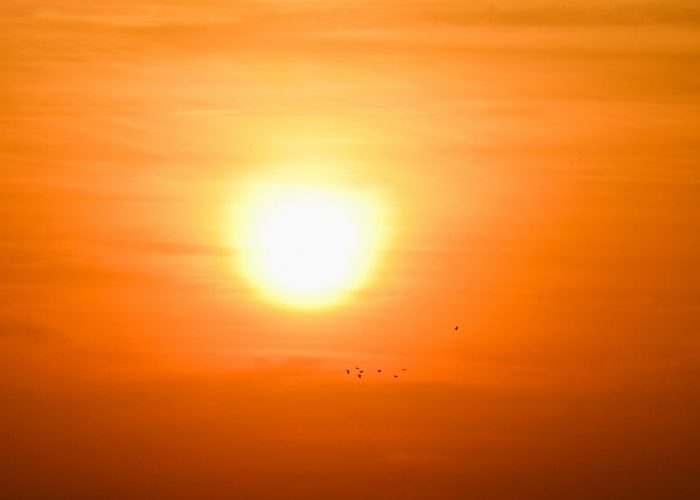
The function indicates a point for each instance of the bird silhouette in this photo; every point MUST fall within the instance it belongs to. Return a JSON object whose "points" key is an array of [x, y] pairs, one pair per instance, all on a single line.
{"points": [[362, 371], [379, 371], [456, 328], [347, 371], [403, 369], [359, 375], [396, 376]]}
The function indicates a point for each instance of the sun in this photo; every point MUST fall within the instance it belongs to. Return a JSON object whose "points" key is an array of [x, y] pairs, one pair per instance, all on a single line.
{"points": [[307, 246]]}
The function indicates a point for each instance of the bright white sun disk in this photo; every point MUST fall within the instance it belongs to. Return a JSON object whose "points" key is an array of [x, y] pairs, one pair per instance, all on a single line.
{"points": [[307, 246]]}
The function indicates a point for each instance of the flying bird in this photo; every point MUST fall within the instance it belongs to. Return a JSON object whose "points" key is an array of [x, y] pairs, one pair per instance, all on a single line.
{"points": [[347, 371], [396, 376], [359, 375], [379, 371], [403, 369], [456, 328]]}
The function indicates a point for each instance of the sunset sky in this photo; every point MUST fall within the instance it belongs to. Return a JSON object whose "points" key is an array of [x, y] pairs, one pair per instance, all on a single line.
{"points": [[526, 170]]}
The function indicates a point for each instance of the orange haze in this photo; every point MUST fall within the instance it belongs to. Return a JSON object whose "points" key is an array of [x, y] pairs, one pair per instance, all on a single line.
{"points": [[540, 161]]}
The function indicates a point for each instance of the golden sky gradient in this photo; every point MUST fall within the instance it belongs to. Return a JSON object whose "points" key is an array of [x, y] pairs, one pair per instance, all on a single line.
{"points": [[538, 165]]}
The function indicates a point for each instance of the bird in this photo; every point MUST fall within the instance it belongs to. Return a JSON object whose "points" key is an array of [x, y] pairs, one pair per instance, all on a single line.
{"points": [[403, 369], [396, 376], [359, 375], [362, 371], [347, 371], [456, 328], [379, 371]]}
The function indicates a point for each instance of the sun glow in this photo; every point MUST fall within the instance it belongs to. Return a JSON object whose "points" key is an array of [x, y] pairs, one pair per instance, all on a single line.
{"points": [[307, 246]]}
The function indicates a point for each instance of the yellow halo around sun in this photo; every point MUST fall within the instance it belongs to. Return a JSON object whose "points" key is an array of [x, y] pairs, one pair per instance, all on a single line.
{"points": [[307, 246]]}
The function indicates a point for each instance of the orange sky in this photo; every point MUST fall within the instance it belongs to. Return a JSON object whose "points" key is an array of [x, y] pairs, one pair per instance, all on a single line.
{"points": [[539, 161]]}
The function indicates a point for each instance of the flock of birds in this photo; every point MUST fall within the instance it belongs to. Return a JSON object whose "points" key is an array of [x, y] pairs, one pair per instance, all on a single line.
{"points": [[359, 371]]}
